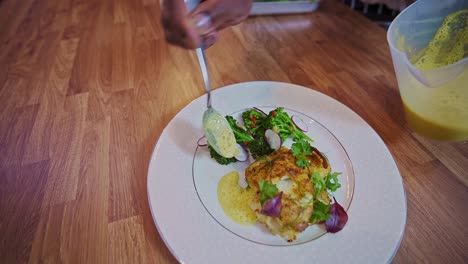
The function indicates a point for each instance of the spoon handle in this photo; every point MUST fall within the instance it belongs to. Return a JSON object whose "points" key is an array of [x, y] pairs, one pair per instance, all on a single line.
{"points": [[191, 4], [206, 77]]}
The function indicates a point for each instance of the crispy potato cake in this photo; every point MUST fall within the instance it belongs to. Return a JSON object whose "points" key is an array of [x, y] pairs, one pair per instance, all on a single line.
{"points": [[280, 169]]}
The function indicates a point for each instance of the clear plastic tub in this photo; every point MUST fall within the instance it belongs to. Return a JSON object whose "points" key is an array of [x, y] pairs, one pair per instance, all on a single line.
{"points": [[435, 100], [283, 8]]}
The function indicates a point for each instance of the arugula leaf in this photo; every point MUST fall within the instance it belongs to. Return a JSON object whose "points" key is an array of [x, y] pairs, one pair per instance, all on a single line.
{"points": [[281, 123], [320, 213], [318, 182], [300, 149], [267, 190], [331, 181]]}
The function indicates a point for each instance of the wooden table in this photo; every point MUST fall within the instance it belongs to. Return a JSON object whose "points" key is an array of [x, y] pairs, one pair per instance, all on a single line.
{"points": [[87, 86]]}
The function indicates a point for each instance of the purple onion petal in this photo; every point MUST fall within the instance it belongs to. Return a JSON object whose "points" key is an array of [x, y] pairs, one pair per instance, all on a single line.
{"points": [[202, 142], [260, 110], [272, 207], [338, 218]]}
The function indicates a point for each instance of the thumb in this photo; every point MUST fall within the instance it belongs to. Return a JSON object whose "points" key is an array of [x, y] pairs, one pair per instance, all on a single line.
{"points": [[214, 10], [177, 26]]}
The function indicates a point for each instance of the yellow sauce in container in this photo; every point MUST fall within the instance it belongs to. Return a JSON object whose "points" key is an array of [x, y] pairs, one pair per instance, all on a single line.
{"points": [[441, 112]]}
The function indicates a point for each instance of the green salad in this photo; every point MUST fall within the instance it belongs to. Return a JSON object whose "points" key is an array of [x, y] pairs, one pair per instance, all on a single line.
{"points": [[262, 133]]}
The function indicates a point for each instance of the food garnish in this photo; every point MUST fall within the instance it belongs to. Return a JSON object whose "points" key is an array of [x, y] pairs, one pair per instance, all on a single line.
{"points": [[272, 207], [291, 187], [338, 218], [267, 190]]}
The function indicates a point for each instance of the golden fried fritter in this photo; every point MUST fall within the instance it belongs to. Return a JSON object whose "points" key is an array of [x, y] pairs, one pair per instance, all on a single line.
{"points": [[280, 168]]}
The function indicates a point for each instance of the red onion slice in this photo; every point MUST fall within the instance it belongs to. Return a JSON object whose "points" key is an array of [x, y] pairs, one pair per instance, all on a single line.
{"points": [[202, 142], [273, 139], [260, 110], [299, 123], [338, 218], [272, 207], [243, 154]]}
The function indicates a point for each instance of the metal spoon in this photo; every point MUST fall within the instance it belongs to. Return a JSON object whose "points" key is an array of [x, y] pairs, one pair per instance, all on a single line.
{"points": [[217, 130]]}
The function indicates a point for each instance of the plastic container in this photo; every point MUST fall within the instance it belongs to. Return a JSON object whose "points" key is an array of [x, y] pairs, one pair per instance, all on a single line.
{"points": [[435, 100], [273, 7], [283, 7]]}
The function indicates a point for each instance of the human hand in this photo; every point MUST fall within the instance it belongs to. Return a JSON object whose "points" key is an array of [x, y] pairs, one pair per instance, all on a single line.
{"points": [[189, 30]]}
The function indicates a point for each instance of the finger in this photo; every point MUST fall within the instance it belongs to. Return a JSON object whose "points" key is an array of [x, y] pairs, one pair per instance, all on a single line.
{"points": [[214, 10], [231, 23], [170, 38], [202, 23], [176, 9], [210, 39], [186, 38], [177, 27], [191, 40]]}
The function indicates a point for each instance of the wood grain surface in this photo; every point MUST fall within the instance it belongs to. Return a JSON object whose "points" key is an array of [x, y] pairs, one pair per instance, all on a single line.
{"points": [[86, 87]]}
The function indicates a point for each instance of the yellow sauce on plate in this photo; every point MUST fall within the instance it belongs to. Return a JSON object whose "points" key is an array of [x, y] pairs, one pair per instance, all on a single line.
{"points": [[235, 200]]}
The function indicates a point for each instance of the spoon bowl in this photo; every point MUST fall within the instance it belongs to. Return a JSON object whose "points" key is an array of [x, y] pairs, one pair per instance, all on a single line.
{"points": [[217, 130], [219, 134]]}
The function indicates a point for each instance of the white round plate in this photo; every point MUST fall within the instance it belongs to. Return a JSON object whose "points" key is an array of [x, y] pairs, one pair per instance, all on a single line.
{"points": [[182, 185]]}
